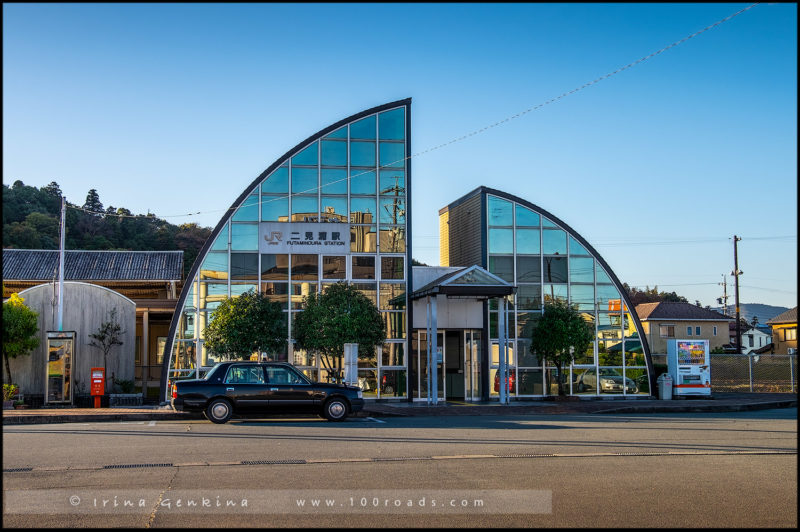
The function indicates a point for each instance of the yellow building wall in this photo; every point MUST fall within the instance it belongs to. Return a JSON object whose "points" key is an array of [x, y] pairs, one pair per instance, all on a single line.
{"points": [[658, 345]]}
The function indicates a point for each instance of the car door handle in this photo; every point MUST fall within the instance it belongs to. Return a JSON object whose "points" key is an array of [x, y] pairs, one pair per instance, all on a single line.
{"points": [[228, 389], [273, 389]]}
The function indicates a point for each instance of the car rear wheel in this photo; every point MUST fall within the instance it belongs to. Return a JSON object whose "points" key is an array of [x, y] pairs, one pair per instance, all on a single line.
{"points": [[335, 409], [219, 411]]}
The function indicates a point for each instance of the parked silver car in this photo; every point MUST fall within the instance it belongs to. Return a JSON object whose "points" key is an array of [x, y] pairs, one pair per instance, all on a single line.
{"points": [[609, 381]]}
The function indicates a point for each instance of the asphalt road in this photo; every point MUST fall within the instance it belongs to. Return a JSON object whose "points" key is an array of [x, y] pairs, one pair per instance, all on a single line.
{"points": [[663, 470]]}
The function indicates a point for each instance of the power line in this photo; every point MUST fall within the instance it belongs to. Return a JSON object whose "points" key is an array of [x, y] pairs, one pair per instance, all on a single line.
{"points": [[495, 124]]}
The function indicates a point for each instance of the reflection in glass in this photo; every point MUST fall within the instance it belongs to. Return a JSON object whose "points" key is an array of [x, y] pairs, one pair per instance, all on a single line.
{"points": [[334, 267], [244, 237], [363, 239], [221, 242], [212, 294], [299, 291], [393, 239], [248, 211], [238, 289], [581, 270], [602, 276], [304, 267], [277, 292], [362, 153], [304, 180], [391, 124], [275, 267], [334, 209], [393, 182], [368, 381], [277, 182], [555, 292], [304, 208], [395, 323], [502, 267], [362, 210], [528, 241], [608, 297], [275, 208], [500, 212], [334, 153], [582, 296], [526, 322], [392, 154], [215, 266], [529, 297], [363, 129], [333, 180], [393, 383], [529, 269], [493, 318], [307, 157], [555, 269], [244, 265], [392, 267], [363, 267], [340, 133], [526, 357], [529, 382], [554, 242], [392, 296], [526, 217], [303, 357], [393, 210], [369, 290], [501, 241], [576, 248], [362, 182], [640, 380]]}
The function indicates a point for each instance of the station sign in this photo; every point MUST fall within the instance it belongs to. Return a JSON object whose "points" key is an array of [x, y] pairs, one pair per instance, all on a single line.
{"points": [[277, 237]]}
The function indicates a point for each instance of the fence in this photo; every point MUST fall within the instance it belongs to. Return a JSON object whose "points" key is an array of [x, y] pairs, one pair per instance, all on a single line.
{"points": [[747, 373]]}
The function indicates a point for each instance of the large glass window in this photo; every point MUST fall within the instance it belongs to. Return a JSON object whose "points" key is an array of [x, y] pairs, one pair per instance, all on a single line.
{"points": [[334, 153], [304, 180], [244, 265], [393, 210], [392, 154], [362, 210], [363, 267], [554, 269], [391, 124], [333, 180], [554, 242], [393, 182], [274, 208], [215, 266], [581, 270], [502, 267], [393, 239], [275, 267], [248, 211], [529, 269], [392, 267], [529, 297], [363, 129], [221, 242], [334, 209], [526, 217], [362, 153], [528, 241], [277, 182], [363, 239], [500, 212], [362, 181], [304, 267], [307, 157], [501, 240], [304, 208], [334, 267], [244, 237]]}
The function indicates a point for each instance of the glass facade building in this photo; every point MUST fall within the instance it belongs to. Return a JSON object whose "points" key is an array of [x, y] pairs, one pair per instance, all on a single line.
{"points": [[546, 260], [333, 208]]}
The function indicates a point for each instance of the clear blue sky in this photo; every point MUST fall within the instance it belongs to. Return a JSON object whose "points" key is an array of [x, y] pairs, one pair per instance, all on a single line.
{"points": [[175, 108]]}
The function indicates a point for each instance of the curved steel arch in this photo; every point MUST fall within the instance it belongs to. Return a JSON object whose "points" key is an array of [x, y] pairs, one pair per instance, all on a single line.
{"points": [[168, 348], [484, 191]]}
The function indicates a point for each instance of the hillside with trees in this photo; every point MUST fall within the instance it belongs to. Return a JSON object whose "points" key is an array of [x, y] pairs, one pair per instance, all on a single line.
{"points": [[31, 219]]}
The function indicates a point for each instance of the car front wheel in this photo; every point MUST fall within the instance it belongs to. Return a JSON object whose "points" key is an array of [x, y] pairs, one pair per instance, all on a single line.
{"points": [[335, 409], [219, 411]]}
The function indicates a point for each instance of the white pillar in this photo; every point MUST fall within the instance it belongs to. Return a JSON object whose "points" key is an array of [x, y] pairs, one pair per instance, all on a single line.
{"points": [[428, 350], [434, 352]]}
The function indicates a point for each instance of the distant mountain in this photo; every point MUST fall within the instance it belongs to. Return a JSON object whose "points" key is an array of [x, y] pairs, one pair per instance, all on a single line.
{"points": [[748, 310]]}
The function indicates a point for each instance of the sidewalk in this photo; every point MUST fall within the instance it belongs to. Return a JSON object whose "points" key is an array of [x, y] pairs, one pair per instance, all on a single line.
{"points": [[719, 402]]}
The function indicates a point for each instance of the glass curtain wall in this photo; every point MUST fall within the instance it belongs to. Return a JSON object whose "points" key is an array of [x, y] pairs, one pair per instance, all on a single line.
{"points": [[546, 263], [351, 185]]}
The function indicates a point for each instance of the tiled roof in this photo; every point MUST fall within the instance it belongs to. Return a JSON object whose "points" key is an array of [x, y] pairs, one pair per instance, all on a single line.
{"points": [[790, 316], [665, 310], [42, 265]]}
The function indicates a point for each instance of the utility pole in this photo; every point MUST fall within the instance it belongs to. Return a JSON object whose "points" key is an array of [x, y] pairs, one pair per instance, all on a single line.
{"points": [[736, 273], [724, 299], [61, 265]]}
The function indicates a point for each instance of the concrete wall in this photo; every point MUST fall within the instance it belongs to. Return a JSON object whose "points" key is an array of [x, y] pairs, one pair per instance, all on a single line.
{"points": [[86, 306], [451, 313]]}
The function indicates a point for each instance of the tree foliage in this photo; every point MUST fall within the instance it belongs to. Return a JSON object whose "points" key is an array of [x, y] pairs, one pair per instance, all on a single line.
{"points": [[20, 330], [651, 295], [247, 324], [108, 335], [32, 218], [339, 315], [558, 334]]}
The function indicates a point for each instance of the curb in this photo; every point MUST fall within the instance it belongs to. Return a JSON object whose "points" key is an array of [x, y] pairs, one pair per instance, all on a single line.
{"points": [[698, 408]]}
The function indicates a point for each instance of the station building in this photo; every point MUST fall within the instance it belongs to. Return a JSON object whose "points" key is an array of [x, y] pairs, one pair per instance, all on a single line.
{"points": [[337, 207]]}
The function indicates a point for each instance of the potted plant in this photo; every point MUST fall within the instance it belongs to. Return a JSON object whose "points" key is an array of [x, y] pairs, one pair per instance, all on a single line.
{"points": [[9, 391], [20, 405]]}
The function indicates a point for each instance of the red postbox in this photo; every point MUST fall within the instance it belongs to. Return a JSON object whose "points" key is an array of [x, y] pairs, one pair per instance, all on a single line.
{"points": [[98, 385]]}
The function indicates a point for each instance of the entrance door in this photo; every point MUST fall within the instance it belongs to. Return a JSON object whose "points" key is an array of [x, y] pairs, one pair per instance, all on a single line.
{"points": [[454, 364], [472, 365]]}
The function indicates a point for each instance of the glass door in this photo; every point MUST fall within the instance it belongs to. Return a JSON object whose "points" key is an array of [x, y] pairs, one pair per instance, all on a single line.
{"points": [[472, 365], [60, 349]]}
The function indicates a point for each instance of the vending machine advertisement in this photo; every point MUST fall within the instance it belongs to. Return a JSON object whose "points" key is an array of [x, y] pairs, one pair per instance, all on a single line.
{"points": [[689, 365]]}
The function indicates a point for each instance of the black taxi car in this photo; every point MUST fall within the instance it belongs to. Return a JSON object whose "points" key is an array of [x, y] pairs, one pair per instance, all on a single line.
{"points": [[251, 388]]}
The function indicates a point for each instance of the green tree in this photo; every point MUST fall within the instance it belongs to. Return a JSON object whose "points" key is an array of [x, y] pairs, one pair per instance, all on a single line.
{"points": [[108, 335], [19, 330], [559, 333], [339, 315], [92, 203], [247, 324]]}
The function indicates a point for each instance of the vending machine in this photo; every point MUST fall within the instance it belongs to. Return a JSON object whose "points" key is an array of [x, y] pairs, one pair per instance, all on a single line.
{"points": [[689, 365]]}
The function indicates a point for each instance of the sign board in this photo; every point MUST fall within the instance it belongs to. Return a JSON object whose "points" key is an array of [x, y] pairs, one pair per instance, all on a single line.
{"points": [[277, 237], [691, 352]]}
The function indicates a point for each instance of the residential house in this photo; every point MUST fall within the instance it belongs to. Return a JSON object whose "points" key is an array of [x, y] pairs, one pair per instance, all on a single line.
{"points": [[784, 332], [663, 321]]}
